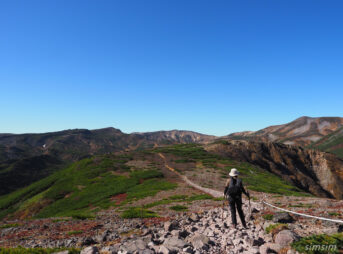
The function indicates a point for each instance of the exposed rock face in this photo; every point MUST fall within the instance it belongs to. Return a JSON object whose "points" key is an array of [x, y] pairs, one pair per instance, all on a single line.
{"points": [[302, 131], [316, 172]]}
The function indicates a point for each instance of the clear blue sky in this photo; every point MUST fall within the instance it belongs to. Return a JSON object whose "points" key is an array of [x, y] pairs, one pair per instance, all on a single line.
{"points": [[214, 67]]}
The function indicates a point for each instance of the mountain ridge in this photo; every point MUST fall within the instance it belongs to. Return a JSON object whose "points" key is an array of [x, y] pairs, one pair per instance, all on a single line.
{"points": [[66, 146], [71, 145], [304, 131]]}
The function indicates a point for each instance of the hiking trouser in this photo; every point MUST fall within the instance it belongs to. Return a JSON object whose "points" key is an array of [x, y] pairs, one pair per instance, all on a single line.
{"points": [[236, 204]]}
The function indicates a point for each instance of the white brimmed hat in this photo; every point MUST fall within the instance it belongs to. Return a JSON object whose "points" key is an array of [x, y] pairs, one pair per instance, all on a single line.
{"points": [[234, 172]]}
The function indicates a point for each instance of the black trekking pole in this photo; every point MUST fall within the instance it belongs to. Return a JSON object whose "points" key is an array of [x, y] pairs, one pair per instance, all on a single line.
{"points": [[223, 207], [249, 206]]}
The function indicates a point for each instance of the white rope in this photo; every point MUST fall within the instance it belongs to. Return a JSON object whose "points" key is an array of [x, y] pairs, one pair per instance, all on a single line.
{"points": [[302, 214]]}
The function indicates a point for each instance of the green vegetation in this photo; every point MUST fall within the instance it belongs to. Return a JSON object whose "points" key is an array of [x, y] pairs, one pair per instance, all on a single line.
{"points": [[10, 225], [302, 205], [21, 250], [333, 214], [275, 228], [179, 208], [83, 188], [184, 161], [178, 197], [76, 232], [149, 188], [199, 197], [137, 212], [338, 152], [60, 219], [267, 216], [160, 202], [316, 244], [219, 199], [82, 215], [277, 196], [330, 143], [221, 141]]}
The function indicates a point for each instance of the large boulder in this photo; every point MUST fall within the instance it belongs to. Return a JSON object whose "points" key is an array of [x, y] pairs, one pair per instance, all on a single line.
{"points": [[110, 249], [183, 234], [170, 226], [286, 237], [163, 250], [90, 250], [283, 218], [88, 241], [134, 246], [270, 248], [174, 243], [103, 237], [193, 217], [199, 241]]}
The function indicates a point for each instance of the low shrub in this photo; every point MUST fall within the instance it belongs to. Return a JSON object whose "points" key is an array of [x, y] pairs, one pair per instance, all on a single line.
{"points": [[137, 212], [82, 216], [10, 225], [333, 214], [276, 228], [76, 232], [268, 216], [178, 197], [179, 208], [319, 244], [199, 197]]}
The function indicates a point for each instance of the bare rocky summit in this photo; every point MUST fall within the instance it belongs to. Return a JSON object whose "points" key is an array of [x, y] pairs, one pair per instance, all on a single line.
{"points": [[302, 131]]}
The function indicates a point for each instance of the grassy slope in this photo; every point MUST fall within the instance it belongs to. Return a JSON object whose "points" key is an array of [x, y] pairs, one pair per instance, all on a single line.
{"points": [[87, 186], [254, 177], [330, 143], [82, 188]]}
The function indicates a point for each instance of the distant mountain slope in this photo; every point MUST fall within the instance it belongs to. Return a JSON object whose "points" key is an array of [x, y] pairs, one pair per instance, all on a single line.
{"points": [[332, 143], [303, 131], [316, 172], [174, 136], [20, 152]]}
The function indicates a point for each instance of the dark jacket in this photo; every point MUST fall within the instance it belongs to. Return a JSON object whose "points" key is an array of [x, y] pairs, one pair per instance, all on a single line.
{"points": [[234, 189]]}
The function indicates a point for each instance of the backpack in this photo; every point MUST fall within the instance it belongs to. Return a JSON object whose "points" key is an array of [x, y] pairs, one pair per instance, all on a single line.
{"points": [[234, 188]]}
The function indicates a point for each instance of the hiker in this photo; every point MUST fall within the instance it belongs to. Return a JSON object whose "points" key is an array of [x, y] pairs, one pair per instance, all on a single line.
{"points": [[233, 192]]}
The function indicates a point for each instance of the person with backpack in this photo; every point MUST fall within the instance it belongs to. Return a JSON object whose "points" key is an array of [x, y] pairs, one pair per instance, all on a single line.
{"points": [[233, 192]]}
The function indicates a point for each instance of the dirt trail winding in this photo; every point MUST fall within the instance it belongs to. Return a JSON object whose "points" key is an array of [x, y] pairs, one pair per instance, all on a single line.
{"points": [[211, 192]]}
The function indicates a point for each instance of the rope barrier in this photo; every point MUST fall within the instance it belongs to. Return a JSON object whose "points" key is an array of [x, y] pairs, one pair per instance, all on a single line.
{"points": [[302, 214]]}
